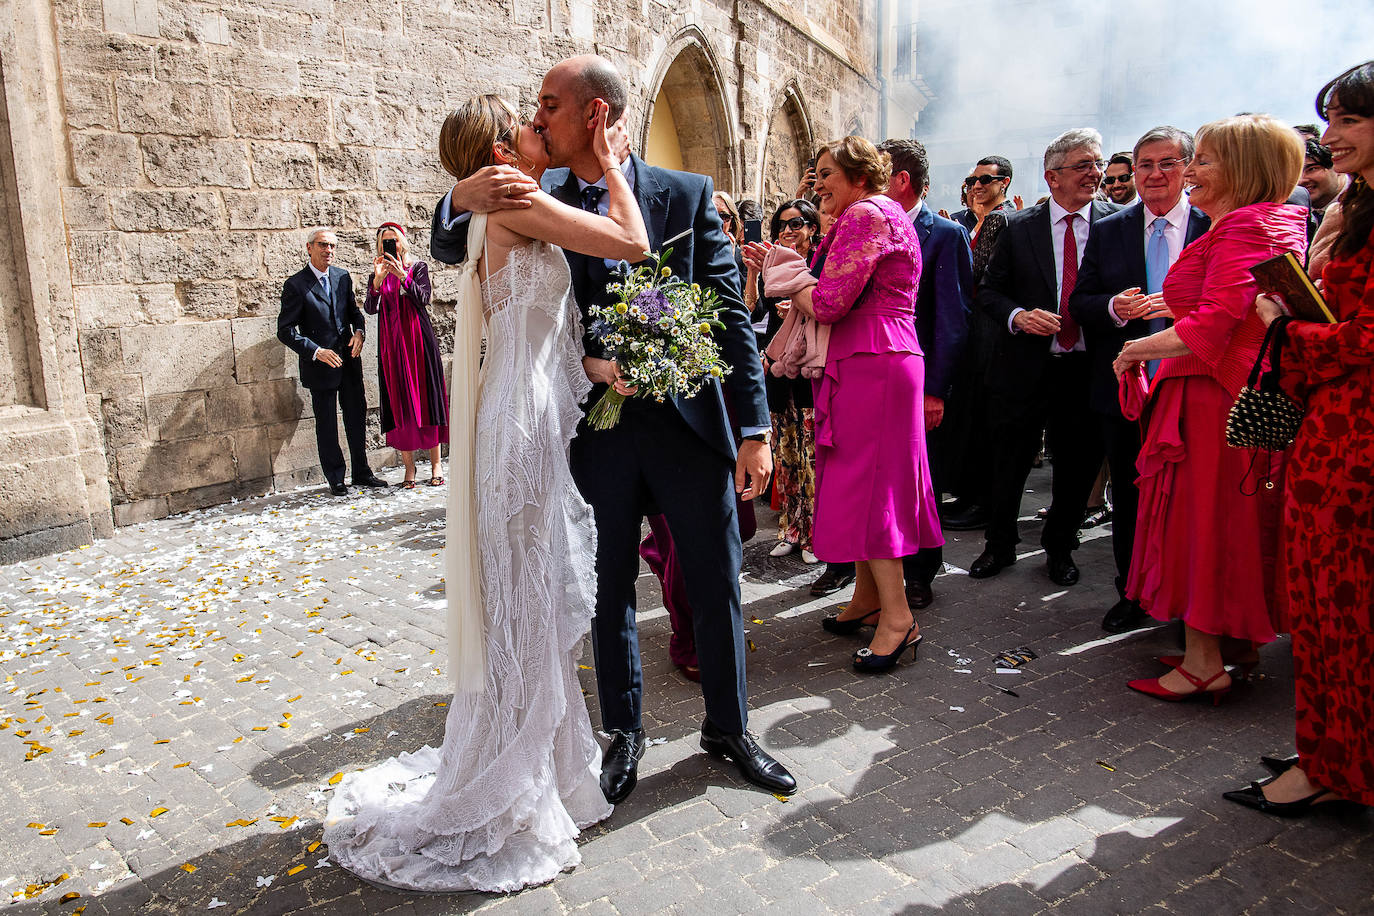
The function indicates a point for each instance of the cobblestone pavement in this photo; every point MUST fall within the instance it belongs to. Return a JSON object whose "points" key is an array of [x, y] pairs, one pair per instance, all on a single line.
{"points": [[178, 700]]}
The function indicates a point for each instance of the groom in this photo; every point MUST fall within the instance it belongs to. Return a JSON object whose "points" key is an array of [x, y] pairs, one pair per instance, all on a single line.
{"points": [[677, 458]]}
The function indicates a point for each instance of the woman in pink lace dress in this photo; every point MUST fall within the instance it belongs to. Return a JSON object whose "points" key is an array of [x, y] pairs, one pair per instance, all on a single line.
{"points": [[874, 500], [414, 398]]}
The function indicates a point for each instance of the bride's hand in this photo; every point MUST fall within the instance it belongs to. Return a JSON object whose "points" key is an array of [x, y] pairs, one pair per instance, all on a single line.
{"points": [[604, 138]]}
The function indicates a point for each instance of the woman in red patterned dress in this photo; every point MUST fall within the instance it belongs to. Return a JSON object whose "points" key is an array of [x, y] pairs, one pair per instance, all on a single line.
{"points": [[1328, 540]]}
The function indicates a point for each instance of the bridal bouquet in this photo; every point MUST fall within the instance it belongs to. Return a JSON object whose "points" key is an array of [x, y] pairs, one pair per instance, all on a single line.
{"points": [[659, 331]]}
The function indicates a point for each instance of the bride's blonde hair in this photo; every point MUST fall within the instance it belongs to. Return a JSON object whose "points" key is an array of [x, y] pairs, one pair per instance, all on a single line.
{"points": [[469, 134]]}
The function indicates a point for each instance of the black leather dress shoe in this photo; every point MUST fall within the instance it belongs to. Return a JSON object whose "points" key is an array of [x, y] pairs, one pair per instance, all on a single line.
{"points": [[371, 480], [338, 489], [832, 580], [989, 564], [969, 518], [1124, 616], [620, 765], [753, 761], [1062, 569], [919, 595]]}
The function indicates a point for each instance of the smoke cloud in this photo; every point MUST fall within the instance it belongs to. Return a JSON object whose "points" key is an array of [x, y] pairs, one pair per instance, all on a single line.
{"points": [[1009, 76]]}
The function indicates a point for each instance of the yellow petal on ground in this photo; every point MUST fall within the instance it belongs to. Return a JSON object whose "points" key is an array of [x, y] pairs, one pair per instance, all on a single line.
{"points": [[334, 780], [126, 822], [96, 824], [750, 643], [359, 731], [188, 868], [294, 699], [37, 826], [295, 870], [441, 705], [157, 812], [313, 846], [163, 741], [782, 798], [184, 763], [51, 831], [69, 896]]}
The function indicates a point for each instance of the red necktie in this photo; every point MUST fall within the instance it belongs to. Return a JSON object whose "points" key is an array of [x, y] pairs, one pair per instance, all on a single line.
{"points": [[1068, 328]]}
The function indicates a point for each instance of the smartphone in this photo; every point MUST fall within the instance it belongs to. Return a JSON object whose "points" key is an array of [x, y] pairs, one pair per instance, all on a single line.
{"points": [[389, 247], [753, 230]]}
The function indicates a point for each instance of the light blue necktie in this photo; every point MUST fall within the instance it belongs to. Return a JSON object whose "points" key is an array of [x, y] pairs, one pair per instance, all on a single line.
{"points": [[1156, 267], [324, 281]]}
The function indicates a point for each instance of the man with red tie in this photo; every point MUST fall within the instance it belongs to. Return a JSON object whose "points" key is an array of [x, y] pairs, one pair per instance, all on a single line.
{"points": [[1040, 377]]}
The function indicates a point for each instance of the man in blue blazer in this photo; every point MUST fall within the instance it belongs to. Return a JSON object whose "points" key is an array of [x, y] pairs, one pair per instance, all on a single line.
{"points": [[679, 458], [942, 314], [1039, 378], [321, 321], [1117, 299]]}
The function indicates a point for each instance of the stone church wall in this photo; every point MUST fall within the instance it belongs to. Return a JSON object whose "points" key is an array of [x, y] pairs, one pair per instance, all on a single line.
{"points": [[182, 149]]}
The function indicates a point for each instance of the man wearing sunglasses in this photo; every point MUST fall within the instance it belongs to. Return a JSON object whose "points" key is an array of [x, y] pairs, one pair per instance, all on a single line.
{"points": [[1039, 377], [1119, 180], [1117, 299], [986, 190]]}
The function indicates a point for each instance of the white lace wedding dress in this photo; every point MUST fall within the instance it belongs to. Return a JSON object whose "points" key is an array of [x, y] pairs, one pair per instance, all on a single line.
{"points": [[499, 806]]}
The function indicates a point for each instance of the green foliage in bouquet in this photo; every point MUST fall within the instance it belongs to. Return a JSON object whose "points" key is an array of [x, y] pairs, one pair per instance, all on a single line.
{"points": [[659, 330]]}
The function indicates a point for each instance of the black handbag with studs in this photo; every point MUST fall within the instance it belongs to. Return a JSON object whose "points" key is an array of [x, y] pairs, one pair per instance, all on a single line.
{"points": [[1263, 416]]}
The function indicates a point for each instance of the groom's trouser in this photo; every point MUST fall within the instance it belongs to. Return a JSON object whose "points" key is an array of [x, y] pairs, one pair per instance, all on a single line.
{"points": [[652, 460]]}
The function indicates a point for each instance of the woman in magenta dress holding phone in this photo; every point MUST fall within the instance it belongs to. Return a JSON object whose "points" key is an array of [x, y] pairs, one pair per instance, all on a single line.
{"points": [[414, 399]]}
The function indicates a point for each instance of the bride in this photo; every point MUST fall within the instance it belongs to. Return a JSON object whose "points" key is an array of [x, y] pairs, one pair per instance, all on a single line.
{"points": [[498, 807]]}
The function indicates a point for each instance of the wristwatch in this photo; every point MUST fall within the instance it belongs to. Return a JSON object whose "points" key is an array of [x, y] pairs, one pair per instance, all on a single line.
{"points": [[758, 437]]}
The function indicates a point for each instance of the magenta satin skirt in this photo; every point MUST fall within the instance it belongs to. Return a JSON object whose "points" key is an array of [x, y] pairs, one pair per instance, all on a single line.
{"points": [[874, 498]]}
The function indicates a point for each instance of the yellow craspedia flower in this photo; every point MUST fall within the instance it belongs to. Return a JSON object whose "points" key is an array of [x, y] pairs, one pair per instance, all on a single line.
{"points": [[666, 271], [715, 371], [704, 327], [621, 308]]}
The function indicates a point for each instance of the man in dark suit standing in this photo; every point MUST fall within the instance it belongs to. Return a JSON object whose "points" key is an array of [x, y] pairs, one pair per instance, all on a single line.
{"points": [[321, 321], [942, 316], [1117, 299], [678, 458], [1040, 376]]}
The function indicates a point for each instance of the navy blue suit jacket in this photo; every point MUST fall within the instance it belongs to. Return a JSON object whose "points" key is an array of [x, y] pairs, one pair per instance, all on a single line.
{"points": [[672, 203], [308, 322], [943, 297], [1114, 260]]}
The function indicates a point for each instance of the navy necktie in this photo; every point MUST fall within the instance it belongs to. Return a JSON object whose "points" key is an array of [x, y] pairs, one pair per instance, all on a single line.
{"points": [[591, 197]]}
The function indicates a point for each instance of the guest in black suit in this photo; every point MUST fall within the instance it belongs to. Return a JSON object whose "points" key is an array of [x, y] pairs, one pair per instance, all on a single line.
{"points": [[678, 458], [1117, 299], [943, 300], [321, 321], [1039, 378]]}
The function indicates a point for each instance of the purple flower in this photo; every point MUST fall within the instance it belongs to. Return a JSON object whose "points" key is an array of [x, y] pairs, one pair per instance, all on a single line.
{"points": [[653, 303]]}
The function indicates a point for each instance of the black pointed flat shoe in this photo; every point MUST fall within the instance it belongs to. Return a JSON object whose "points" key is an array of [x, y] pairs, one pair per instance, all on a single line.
{"points": [[1279, 765], [1252, 796]]}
